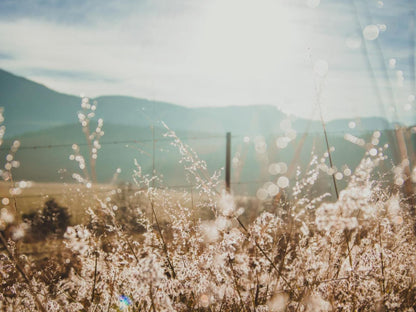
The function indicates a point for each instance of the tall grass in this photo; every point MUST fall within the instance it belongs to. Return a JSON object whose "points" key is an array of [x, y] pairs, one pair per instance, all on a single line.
{"points": [[306, 254]]}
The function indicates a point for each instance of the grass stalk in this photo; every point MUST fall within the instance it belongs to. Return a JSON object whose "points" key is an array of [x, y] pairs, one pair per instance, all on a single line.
{"points": [[95, 276], [23, 273], [164, 245]]}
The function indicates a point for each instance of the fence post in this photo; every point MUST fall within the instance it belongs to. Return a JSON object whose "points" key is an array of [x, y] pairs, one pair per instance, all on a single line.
{"points": [[228, 163], [407, 185]]}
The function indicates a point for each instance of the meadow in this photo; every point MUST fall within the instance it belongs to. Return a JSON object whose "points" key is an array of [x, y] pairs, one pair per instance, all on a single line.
{"points": [[146, 247]]}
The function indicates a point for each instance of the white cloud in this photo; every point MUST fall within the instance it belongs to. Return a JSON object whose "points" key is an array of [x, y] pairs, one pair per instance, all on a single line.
{"points": [[202, 53]]}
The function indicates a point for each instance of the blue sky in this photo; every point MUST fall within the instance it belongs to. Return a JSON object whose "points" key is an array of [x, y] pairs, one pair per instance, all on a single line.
{"points": [[220, 52]]}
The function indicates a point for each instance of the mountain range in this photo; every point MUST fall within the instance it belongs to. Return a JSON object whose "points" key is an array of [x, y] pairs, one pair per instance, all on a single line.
{"points": [[30, 107], [46, 123]]}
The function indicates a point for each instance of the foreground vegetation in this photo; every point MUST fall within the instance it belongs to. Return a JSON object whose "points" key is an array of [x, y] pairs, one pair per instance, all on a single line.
{"points": [[302, 252]]}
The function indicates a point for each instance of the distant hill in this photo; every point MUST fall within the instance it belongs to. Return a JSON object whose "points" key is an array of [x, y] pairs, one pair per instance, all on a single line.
{"points": [[30, 107], [45, 122]]}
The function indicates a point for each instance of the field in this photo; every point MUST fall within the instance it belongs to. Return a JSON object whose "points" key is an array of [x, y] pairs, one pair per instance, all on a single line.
{"points": [[208, 156], [144, 247]]}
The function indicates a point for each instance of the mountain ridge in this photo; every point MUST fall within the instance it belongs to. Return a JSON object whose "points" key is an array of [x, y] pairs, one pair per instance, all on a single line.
{"points": [[49, 108], [46, 123]]}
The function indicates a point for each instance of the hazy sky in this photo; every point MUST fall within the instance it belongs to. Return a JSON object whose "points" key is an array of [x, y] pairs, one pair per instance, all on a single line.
{"points": [[220, 52]]}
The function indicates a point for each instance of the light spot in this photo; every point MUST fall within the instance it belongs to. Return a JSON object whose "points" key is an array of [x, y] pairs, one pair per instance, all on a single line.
{"points": [[321, 68], [283, 182], [282, 167], [382, 27], [323, 167], [6, 216], [371, 32], [274, 169], [273, 190], [353, 42], [399, 181], [261, 194], [19, 232], [373, 152], [23, 184], [204, 301], [261, 147], [282, 142], [398, 220], [291, 134]]}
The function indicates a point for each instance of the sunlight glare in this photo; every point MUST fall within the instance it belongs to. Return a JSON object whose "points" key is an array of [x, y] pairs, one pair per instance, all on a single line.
{"points": [[242, 39]]}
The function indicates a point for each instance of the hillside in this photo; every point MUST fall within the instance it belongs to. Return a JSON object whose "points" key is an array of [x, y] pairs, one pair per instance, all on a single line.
{"points": [[45, 122], [30, 107]]}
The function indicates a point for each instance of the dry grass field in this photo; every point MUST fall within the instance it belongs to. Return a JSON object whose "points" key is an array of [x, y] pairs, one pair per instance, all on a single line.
{"points": [[76, 197]]}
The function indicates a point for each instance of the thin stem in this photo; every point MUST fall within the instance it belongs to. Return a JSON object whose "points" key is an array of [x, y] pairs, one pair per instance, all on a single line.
{"points": [[236, 283], [266, 256], [95, 276], [22, 272], [328, 150], [381, 260], [165, 248]]}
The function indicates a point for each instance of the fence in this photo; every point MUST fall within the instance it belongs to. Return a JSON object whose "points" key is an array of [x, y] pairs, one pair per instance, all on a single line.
{"points": [[252, 160]]}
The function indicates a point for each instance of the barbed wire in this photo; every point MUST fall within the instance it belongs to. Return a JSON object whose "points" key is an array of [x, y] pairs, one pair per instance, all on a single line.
{"points": [[115, 142], [163, 139]]}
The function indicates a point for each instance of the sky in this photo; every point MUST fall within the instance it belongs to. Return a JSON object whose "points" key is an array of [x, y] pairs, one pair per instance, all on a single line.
{"points": [[352, 58]]}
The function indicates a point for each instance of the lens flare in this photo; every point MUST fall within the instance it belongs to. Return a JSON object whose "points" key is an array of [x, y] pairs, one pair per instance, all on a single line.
{"points": [[125, 302]]}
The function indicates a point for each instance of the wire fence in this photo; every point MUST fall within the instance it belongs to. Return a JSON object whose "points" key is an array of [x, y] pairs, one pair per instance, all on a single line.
{"points": [[239, 147], [192, 138]]}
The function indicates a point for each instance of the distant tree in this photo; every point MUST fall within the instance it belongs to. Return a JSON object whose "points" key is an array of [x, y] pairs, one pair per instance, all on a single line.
{"points": [[53, 219]]}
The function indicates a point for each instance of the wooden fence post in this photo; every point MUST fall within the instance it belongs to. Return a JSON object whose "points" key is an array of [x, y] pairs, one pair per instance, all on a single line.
{"points": [[228, 163]]}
